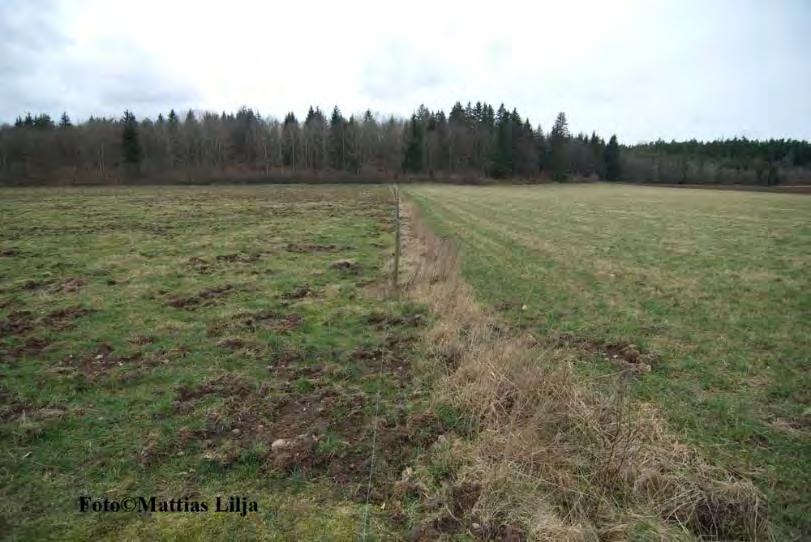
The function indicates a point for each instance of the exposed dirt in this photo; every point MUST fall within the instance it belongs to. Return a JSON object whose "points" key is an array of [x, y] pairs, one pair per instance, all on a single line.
{"points": [[70, 285], [347, 266], [202, 266], [368, 359], [61, 319], [31, 347], [239, 258], [299, 292], [238, 344], [21, 322], [509, 305], [459, 518], [100, 361], [17, 323], [383, 320], [270, 320], [203, 298], [13, 405], [307, 247], [142, 340], [104, 358], [226, 385], [625, 355], [34, 284], [463, 498]]}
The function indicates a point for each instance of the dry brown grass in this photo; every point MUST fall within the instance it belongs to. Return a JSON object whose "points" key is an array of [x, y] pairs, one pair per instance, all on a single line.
{"points": [[557, 456]]}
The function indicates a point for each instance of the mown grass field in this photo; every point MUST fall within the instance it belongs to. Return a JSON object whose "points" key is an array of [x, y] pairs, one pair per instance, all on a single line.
{"points": [[158, 341], [711, 288]]}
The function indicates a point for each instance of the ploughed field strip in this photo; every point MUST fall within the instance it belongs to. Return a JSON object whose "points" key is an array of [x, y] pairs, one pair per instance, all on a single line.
{"points": [[703, 294], [188, 343]]}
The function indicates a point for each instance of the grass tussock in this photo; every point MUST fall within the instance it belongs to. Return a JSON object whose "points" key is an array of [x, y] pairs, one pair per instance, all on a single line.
{"points": [[554, 455]]}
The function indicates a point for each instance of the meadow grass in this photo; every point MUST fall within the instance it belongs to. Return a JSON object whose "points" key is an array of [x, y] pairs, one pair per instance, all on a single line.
{"points": [[710, 288], [158, 341]]}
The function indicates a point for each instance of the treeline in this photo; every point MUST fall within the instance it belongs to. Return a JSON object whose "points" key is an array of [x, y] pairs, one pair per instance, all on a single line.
{"points": [[723, 161], [472, 142]]}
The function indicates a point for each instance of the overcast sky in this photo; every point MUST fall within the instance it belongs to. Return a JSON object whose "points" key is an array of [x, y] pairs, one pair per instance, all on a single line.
{"points": [[644, 69]]}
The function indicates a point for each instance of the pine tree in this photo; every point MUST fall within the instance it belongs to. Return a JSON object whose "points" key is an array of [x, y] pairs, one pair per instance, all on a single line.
{"points": [[130, 144], [612, 160], [64, 121]]}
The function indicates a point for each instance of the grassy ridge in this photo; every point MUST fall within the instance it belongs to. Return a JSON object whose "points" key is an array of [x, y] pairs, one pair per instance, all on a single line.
{"points": [[158, 341], [713, 286]]}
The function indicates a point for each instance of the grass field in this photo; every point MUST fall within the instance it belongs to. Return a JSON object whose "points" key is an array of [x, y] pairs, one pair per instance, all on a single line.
{"points": [[710, 290], [194, 342], [158, 341]]}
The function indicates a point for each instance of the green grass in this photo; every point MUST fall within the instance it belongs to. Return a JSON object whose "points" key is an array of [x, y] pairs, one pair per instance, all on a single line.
{"points": [[206, 324], [714, 284]]}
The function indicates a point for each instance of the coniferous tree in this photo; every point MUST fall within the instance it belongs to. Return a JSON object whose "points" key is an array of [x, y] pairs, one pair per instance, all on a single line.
{"points": [[472, 140], [337, 137], [130, 144], [612, 160], [558, 141], [413, 152], [64, 121], [501, 149], [289, 140]]}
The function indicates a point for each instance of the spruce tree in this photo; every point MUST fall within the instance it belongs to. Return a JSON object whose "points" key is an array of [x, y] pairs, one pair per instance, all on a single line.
{"points": [[558, 141], [64, 121], [412, 155], [612, 160], [337, 140], [130, 144]]}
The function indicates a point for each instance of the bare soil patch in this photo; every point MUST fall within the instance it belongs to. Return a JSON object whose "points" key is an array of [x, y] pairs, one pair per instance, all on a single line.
{"points": [[200, 265], [270, 320], [347, 266], [239, 258], [299, 292], [70, 285], [203, 298], [17, 323], [62, 319], [309, 247], [625, 355]]}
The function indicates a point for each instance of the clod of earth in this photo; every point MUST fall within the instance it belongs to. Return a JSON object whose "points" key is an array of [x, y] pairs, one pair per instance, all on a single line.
{"points": [[298, 293], [238, 258], [102, 360], [349, 266], [625, 355], [31, 347], [200, 265], [205, 297], [64, 318], [271, 321], [17, 323], [305, 247], [70, 285]]}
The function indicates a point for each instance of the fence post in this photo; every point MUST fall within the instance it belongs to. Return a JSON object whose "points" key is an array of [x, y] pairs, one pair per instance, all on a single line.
{"points": [[396, 270]]}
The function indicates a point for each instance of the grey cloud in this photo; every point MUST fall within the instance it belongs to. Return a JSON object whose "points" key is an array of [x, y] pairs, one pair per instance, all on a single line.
{"points": [[398, 70], [43, 70]]}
